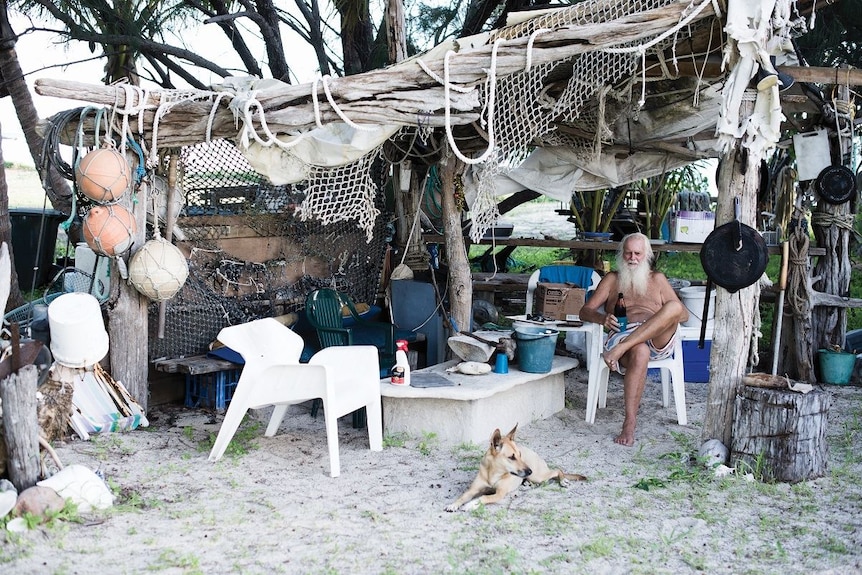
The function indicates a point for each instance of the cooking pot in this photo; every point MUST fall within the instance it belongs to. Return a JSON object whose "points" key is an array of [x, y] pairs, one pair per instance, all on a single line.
{"points": [[734, 255], [836, 184]]}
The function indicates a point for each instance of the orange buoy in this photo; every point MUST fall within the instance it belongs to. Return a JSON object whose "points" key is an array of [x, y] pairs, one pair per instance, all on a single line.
{"points": [[109, 229], [103, 175]]}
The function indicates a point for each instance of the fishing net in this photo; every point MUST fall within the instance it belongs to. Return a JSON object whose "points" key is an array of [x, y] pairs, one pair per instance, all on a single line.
{"points": [[226, 200]]}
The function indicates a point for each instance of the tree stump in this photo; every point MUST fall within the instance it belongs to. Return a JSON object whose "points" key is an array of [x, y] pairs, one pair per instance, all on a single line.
{"points": [[780, 433], [20, 428]]}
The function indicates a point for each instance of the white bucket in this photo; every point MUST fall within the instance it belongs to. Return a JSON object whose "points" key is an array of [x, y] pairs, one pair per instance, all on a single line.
{"points": [[693, 297], [78, 336]]}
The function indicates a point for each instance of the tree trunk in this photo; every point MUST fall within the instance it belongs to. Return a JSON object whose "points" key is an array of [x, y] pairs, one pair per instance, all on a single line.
{"points": [[20, 426], [460, 279], [734, 312], [56, 187], [127, 313]]}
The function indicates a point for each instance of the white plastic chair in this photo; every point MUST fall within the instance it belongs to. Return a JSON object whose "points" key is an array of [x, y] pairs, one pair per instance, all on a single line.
{"points": [[344, 378], [672, 371], [595, 278]]}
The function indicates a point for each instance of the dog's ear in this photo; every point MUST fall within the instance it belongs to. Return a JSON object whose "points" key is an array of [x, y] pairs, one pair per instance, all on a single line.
{"points": [[496, 441], [511, 434]]}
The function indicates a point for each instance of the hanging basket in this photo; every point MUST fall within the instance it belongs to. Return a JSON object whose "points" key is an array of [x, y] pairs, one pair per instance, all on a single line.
{"points": [[108, 230], [103, 175], [158, 270]]}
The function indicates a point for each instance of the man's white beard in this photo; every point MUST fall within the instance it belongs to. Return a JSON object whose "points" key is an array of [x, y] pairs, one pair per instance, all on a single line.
{"points": [[634, 281]]}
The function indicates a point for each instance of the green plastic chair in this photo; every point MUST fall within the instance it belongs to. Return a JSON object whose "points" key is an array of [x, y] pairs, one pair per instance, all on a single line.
{"points": [[323, 308]]}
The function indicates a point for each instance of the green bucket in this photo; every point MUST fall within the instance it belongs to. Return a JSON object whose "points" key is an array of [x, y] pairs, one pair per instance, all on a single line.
{"points": [[836, 367], [535, 348]]}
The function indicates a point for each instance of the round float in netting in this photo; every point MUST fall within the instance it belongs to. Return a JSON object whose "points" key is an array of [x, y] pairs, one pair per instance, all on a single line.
{"points": [[158, 270], [103, 175], [108, 229]]}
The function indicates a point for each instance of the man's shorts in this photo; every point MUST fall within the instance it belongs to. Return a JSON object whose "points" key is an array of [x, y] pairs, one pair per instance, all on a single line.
{"points": [[654, 353]]}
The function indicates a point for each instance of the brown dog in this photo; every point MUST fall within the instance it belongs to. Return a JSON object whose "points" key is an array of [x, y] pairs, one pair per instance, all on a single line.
{"points": [[503, 468]]}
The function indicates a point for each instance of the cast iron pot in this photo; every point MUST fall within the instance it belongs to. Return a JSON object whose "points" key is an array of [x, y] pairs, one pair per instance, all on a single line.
{"points": [[836, 184]]}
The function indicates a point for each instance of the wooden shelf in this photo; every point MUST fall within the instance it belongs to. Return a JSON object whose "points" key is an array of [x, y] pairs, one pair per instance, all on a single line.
{"points": [[597, 246]]}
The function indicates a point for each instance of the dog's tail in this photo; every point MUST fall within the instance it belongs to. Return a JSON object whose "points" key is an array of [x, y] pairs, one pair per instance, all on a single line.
{"points": [[574, 477]]}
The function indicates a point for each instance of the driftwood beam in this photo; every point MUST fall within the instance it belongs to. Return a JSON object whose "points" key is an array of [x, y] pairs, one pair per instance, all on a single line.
{"points": [[398, 94], [819, 298]]}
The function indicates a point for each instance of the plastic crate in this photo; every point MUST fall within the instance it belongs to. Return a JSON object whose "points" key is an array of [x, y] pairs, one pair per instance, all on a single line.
{"points": [[214, 390], [696, 361]]}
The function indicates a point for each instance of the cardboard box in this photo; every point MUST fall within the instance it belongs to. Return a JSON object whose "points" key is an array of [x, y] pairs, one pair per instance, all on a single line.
{"points": [[559, 301], [691, 227]]}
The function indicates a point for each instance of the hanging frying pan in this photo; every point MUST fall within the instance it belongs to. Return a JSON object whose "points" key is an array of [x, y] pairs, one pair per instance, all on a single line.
{"points": [[836, 184], [734, 256]]}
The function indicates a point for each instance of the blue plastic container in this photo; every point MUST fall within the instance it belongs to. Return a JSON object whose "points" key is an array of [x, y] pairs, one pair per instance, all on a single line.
{"points": [[535, 348]]}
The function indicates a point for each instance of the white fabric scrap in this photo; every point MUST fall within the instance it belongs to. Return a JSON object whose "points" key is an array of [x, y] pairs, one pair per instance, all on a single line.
{"points": [[334, 145], [81, 485], [755, 30]]}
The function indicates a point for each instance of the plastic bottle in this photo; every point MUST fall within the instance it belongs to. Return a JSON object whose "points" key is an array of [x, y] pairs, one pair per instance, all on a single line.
{"points": [[401, 370], [620, 312]]}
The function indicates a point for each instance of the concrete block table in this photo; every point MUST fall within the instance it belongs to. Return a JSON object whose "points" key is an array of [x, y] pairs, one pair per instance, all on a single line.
{"points": [[470, 409]]}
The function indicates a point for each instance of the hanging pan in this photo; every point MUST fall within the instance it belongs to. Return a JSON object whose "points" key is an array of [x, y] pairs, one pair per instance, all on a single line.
{"points": [[835, 184], [734, 256]]}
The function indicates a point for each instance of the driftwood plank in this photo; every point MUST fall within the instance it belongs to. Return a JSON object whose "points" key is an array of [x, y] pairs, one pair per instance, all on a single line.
{"points": [[783, 432], [407, 88], [20, 426]]}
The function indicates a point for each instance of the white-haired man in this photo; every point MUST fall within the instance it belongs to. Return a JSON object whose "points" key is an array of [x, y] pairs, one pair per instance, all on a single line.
{"points": [[653, 311]]}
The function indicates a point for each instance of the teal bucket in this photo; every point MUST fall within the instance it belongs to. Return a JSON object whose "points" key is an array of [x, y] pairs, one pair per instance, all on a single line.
{"points": [[836, 367], [535, 348]]}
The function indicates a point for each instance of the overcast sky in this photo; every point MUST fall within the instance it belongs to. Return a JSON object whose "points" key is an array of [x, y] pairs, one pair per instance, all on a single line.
{"points": [[41, 56]]}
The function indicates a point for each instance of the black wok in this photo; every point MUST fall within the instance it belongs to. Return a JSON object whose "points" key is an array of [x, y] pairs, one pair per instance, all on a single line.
{"points": [[734, 256]]}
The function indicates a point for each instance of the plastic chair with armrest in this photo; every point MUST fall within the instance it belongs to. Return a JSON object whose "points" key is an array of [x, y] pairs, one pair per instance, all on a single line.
{"points": [[584, 277], [344, 378], [323, 308], [672, 372]]}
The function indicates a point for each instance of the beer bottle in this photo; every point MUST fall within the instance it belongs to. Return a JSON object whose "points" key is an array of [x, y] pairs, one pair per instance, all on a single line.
{"points": [[620, 311]]}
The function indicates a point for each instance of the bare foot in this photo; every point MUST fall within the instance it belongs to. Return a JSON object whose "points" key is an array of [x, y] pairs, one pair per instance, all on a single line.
{"points": [[627, 439], [611, 361], [627, 435]]}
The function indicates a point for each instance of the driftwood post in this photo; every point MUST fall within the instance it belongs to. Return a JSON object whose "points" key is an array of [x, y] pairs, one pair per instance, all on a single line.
{"points": [[780, 433], [734, 312], [20, 426], [460, 278], [127, 314]]}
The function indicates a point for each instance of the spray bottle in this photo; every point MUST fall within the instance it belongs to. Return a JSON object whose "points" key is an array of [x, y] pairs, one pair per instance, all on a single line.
{"points": [[401, 370]]}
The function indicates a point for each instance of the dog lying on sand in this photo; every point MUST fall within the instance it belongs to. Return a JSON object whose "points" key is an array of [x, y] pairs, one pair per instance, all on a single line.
{"points": [[503, 468]]}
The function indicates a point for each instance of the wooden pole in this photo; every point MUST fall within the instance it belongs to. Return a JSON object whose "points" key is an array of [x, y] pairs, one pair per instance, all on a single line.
{"points": [[170, 216], [779, 307], [460, 279], [739, 176], [20, 426]]}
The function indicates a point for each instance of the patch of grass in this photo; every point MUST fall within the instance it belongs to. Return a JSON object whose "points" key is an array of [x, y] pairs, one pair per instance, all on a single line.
{"points": [[170, 558], [395, 439], [597, 548], [429, 439], [243, 441]]}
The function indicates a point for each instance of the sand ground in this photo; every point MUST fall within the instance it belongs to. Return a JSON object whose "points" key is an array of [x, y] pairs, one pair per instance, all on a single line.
{"points": [[271, 507]]}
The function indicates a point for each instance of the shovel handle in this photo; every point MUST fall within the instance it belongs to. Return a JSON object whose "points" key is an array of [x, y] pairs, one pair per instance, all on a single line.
{"points": [[785, 256]]}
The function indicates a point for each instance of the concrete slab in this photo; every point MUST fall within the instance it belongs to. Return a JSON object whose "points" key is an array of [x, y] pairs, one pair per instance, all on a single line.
{"points": [[470, 410]]}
